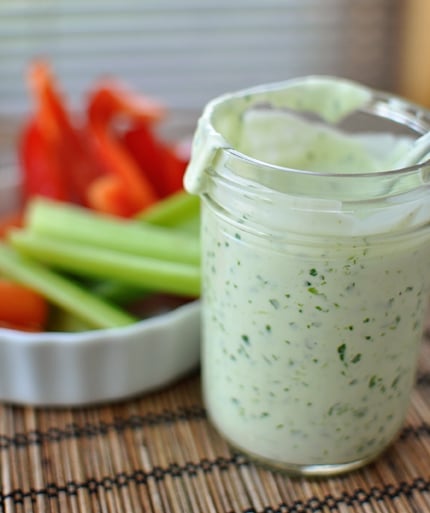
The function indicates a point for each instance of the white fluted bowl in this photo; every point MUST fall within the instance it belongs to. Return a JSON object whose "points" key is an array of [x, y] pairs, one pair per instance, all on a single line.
{"points": [[74, 369]]}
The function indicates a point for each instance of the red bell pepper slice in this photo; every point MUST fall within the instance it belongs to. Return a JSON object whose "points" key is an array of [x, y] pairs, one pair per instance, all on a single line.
{"points": [[156, 159], [65, 156], [42, 172], [107, 194], [106, 104]]}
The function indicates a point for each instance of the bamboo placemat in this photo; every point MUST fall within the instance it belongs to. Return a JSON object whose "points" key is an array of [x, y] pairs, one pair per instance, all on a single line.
{"points": [[158, 453]]}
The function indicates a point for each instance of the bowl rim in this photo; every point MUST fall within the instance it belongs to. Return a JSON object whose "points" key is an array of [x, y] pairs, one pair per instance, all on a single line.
{"points": [[162, 320]]}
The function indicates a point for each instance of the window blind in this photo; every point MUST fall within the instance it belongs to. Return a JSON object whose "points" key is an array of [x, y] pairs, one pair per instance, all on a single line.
{"points": [[187, 52]]}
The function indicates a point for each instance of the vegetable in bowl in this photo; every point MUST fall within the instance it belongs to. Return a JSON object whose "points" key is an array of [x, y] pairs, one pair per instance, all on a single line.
{"points": [[90, 332], [103, 218]]}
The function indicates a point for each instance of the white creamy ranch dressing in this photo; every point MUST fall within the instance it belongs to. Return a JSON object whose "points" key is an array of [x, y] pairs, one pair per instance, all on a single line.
{"points": [[222, 120], [313, 296]]}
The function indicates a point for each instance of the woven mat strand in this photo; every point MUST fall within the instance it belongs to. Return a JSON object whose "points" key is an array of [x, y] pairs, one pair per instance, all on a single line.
{"points": [[158, 453]]}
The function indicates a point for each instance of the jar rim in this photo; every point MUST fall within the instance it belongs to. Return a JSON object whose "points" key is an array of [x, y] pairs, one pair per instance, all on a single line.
{"points": [[385, 105], [215, 154], [304, 172]]}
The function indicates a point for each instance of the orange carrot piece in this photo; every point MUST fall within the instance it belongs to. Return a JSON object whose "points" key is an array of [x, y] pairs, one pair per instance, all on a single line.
{"points": [[21, 307]]}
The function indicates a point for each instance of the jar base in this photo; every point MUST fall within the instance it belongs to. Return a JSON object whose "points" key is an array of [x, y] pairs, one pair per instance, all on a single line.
{"points": [[312, 470]]}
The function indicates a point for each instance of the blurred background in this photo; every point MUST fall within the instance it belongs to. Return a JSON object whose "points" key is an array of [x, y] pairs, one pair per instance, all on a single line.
{"points": [[186, 52]]}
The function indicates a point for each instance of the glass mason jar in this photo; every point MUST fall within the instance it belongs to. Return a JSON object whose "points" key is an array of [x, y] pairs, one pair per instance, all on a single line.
{"points": [[315, 262]]}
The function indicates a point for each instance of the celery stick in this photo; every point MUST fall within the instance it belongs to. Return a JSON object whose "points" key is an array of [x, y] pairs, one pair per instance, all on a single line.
{"points": [[64, 321], [180, 211], [174, 211], [79, 258], [117, 292], [191, 225], [61, 291], [77, 224]]}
